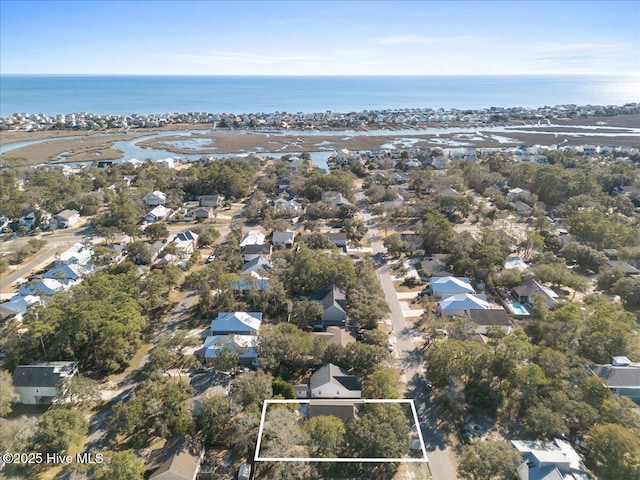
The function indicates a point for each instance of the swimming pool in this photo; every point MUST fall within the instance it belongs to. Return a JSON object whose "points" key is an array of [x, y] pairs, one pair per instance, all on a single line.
{"points": [[517, 308]]}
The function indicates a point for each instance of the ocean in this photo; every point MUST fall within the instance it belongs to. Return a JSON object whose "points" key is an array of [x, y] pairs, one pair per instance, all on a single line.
{"points": [[59, 94]]}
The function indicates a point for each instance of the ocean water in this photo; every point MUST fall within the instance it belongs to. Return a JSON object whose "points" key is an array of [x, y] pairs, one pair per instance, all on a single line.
{"points": [[59, 94]]}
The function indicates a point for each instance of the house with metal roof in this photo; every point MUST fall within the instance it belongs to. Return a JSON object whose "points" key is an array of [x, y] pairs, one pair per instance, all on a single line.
{"points": [[239, 323], [442, 286], [555, 460]]}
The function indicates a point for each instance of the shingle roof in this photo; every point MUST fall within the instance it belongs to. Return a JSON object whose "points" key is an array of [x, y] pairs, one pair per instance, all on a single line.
{"points": [[181, 456], [332, 373], [331, 296], [618, 377], [42, 374]]}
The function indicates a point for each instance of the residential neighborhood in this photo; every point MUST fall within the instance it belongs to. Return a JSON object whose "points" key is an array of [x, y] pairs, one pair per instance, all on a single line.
{"points": [[154, 314]]}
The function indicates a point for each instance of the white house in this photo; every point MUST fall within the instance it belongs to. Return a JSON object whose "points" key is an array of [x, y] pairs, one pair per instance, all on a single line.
{"points": [[37, 384], [283, 205], [65, 219], [240, 323], [549, 460], [166, 163], [253, 237], [243, 345], [44, 286], [442, 286], [77, 253], [284, 239], [155, 198], [157, 214], [461, 304], [185, 243]]}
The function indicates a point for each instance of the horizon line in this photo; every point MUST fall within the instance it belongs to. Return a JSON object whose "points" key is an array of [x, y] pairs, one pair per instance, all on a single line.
{"points": [[566, 74]]}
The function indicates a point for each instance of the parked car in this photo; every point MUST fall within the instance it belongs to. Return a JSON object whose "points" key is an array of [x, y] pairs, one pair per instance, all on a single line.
{"points": [[210, 258]]}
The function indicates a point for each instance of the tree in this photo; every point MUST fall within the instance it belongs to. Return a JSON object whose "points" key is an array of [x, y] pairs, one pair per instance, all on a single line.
{"points": [[588, 259], [283, 389], [394, 245], [326, 435], [8, 394], [613, 452], [58, 429], [484, 460], [157, 231], [227, 357], [629, 291], [123, 465], [306, 313], [382, 383], [78, 390], [252, 388], [140, 253], [215, 414]]}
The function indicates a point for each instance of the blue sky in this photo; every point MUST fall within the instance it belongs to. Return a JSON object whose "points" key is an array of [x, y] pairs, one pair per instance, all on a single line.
{"points": [[320, 38]]}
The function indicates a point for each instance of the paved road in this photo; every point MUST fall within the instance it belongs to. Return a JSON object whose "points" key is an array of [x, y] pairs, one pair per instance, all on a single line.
{"points": [[410, 359]]}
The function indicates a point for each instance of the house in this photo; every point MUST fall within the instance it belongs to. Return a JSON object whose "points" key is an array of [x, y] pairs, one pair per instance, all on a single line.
{"points": [[335, 336], [283, 205], [440, 162], [16, 307], [166, 163], [622, 377], [441, 286], [243, 345], [179, 459], [249, 282], [492, 317], [239, 323], [155, 198], [250, 252], [335, 198], [517, 263], [78, 253], [330, 381], [158, 213], [435, 267], [203, 212], [70, 273], [334, 306], [28, 220], [522, 208], [398, 178], [44, 287], [515, 194], [65, 219], [628, 270], [461, 304], [259, 265], [253, 237], [185, 243], [4, 224], [37, 384], [555, 460], [526, 293], [284, 239], [339, 239], [211, 200]]}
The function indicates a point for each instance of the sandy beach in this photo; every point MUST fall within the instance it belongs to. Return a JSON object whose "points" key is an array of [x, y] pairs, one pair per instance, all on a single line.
{"points": [[94, 146]]}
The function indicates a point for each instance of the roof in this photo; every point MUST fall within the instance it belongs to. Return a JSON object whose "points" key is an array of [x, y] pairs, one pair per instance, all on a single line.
{"points": [[624, 267], [160, 211], [67, 214], [532, 287], [463, 302], [557, 453], [46, 374], [516, 262], [337, 237], [288, 236], [254, 237], [68, 272], [343, 409], [253, 249], [214, 343], [444, 285], [331, 297], [331, 373], [433, 266], [490, 317], [258, 263], [627, 376], [335, 336], [187, 236], [236, 322], [181, 456]]}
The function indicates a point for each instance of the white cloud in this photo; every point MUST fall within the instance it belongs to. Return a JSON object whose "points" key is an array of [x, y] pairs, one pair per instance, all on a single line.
{"points": [[238, 58], [402, 40], [573, 49]]}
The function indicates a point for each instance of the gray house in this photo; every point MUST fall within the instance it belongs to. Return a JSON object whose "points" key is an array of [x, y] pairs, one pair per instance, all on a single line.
{"points": [[334, 306], [622, 377], [37, 384]]}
